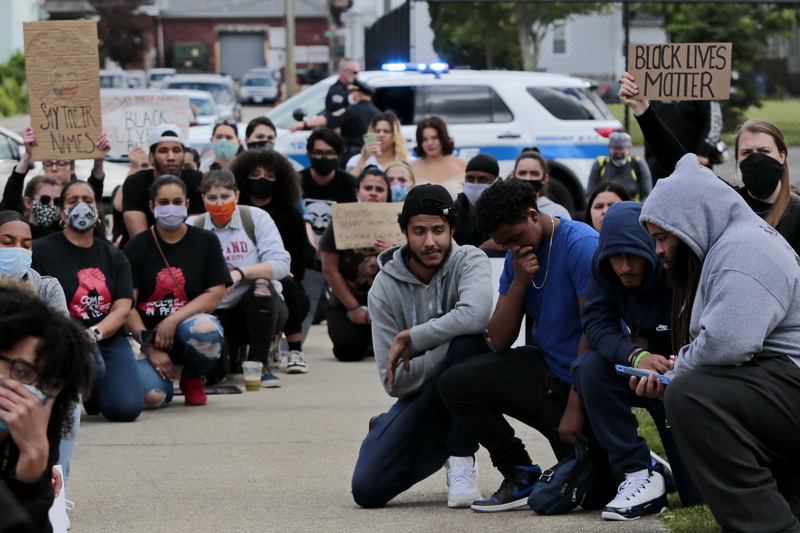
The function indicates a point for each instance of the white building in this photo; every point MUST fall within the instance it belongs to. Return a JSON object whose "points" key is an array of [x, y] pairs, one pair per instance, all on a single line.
{"points": [[12, 14]]}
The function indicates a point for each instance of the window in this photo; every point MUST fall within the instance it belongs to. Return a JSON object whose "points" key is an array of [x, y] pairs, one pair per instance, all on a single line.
{"points": [[571, 103], [560, 38], [401, 100], [458, 104]]}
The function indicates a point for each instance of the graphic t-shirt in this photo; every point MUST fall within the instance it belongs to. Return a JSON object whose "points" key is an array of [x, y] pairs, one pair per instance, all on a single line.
{"points": [[565, 275], [196, 262], [92, 278], [319, 200]]}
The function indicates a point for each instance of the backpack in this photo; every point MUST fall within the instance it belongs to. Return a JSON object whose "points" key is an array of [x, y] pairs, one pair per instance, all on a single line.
{"points": [[564, 486], [247, 221], [636, 170]]}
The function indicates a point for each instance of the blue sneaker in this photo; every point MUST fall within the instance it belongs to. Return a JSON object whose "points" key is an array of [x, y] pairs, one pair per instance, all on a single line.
{"points": [[270, 381], [513, 492]]}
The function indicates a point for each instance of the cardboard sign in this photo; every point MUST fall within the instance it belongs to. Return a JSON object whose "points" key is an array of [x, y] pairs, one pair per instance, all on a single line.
{"points": [[685, 71], [127, 118], [61, 62], [357, 225]]}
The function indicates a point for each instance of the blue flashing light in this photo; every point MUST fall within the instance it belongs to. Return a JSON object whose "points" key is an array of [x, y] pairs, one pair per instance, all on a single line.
{"points": [[394, 67], [421, 67], [438, 67]]}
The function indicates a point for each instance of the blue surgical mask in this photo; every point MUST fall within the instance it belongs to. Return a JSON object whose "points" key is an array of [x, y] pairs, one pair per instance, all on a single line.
{"points": [[473, 191], [224, 149], [399, 192], [170, 217], [15, 262]]}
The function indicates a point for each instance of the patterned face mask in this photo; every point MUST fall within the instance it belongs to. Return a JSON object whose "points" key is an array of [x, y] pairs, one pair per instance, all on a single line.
{"points": [[44, 214]]}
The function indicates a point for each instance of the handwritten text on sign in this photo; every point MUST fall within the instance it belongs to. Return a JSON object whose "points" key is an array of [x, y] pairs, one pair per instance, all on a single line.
{"points": [[127, 119], [61, 63], [685, 71], [357, 225]]}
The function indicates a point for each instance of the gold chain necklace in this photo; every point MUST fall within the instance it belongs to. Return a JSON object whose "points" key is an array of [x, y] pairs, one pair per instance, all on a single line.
{"points": [[549, 255]]}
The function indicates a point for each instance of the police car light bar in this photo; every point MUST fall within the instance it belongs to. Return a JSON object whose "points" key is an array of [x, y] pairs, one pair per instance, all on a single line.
{"points": [[437, 67]]}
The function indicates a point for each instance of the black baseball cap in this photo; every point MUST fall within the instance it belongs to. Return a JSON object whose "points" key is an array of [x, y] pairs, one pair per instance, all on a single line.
{"points": [[428, 199], [364, 87]]}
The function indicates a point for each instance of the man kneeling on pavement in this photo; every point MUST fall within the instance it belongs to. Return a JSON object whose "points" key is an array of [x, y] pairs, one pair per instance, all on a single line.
{"points": [[430, 314]]}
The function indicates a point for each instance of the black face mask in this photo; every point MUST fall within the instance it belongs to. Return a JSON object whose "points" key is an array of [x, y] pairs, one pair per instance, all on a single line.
{"points": [[323, 166], [261, 188], [266, 145], [536, 184], [761, 174]]}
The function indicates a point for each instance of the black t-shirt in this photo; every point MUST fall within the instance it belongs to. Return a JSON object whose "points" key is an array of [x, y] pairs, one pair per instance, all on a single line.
{"points": [[358, 267], [136, 192], [197, 264], [289, 221], [319, 199], [92, 278]]}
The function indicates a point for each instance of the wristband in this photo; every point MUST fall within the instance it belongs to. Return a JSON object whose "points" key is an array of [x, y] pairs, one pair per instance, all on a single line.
{"points": [[639, 358], [240, 271], [636, 351]]}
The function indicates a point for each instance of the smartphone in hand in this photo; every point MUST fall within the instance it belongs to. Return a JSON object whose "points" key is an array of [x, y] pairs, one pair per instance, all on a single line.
{"points": [[147, 337], [369, 138], [630, 371]]}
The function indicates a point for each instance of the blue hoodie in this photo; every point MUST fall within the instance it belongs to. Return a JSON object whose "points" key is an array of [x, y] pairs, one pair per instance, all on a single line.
{"points": [[645, 310]]}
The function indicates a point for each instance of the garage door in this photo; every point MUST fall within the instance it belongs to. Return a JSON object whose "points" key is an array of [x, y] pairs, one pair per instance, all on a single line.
{"points": [[239, 52]]}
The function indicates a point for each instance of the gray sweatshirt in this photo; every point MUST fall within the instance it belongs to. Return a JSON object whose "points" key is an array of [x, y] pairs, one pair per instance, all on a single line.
{"points": [[457, 301], [49, 290], [748, 298]]}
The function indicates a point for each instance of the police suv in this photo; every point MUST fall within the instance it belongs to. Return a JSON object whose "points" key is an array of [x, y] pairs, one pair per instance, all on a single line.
{"points": [[495, 112]]}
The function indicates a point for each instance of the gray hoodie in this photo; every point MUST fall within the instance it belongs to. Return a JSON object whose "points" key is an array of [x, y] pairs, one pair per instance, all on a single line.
{"points": [[458, 301], [748, 298], [49, 290]]}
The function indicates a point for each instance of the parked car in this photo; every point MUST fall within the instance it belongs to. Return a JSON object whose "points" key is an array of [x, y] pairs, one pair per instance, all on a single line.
{"points": [[156, 76], [113, 79], [202, 102], [220, 87], [258, 88], [494, 112], [267, 71]]}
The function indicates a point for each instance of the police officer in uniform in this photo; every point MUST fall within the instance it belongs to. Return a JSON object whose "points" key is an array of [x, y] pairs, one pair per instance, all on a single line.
{"points": [[336, 98], [353, 121]]}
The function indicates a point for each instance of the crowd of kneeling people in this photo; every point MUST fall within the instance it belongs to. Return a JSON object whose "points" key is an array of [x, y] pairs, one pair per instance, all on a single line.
{"points": [[699, 287]]}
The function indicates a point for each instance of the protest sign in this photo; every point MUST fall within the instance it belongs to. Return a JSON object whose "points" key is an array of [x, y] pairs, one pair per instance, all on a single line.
{"points": [[128, 117], [357, 225], [683, 71], [61, 63]]}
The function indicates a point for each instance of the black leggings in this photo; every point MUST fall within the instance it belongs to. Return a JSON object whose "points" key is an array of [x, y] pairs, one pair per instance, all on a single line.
{"points": [[297, 303]]}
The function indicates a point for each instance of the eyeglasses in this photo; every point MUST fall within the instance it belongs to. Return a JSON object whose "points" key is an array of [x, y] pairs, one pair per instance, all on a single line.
{"points": [[26, 373], [47, 200], [59, 164], [328, 154]]}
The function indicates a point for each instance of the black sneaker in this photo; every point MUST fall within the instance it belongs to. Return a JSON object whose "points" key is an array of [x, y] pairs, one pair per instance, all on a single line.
{"points": [[513, 492]]}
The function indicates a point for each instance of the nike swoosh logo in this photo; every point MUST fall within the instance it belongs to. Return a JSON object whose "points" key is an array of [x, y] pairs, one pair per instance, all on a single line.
{"points": [[662, 327], [524, 492]]}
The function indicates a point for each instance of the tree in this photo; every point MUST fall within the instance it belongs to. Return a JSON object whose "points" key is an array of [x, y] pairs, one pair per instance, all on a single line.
{"points": [[533, 19], [479, 34], [748, 26], [498, 34], [121, 32]]}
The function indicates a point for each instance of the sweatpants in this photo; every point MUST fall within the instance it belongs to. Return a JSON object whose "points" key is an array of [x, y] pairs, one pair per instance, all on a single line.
{"points": [[607, 399], [738, 429], [414, 438]]}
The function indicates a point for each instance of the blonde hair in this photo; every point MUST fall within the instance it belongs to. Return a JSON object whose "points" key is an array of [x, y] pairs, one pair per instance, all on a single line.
{"points": [[403, 164], [756, 125], [400, 149]]}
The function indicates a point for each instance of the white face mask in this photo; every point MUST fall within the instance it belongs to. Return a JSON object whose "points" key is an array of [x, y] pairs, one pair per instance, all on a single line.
{"points": [[619, 161], [473, 191]]}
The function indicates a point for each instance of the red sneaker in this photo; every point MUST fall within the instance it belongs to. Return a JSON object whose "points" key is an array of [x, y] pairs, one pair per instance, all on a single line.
{"points": [[193, 391]]}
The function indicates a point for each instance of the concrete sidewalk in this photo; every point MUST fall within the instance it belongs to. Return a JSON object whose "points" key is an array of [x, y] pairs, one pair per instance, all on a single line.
{"points": [[275, 460]]}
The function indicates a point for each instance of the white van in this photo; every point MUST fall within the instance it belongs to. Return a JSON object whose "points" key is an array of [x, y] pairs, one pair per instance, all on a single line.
{"points": [[494, 112]]}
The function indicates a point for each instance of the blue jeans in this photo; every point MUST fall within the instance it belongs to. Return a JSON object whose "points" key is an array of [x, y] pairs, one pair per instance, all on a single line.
{"points": [[119, 391], [195, 350]]}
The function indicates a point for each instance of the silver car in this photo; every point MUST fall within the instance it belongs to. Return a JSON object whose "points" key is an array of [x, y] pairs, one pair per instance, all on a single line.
{"points": [[258, 89], [220, 87]]}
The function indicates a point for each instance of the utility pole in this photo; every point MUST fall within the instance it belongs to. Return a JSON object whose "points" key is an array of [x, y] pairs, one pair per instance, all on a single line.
{"points": [[290, 68]]}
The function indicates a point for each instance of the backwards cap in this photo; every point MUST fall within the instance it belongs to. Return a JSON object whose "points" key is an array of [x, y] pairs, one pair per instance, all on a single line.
{"points": [[156, 135]]}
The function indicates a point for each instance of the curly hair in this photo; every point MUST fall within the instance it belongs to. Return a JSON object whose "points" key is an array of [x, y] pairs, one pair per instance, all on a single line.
{"points": [[287, 185], [62, 356], [505, 202], [437, 123]]}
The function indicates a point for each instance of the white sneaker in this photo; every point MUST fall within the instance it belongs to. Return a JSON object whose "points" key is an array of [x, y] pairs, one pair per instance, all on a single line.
{"points": [[462, 478], [296, 362], [637, 497]]}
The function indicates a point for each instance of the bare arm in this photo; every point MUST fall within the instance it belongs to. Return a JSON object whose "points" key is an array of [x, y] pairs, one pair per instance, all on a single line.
{"points": [[135, 222]]}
